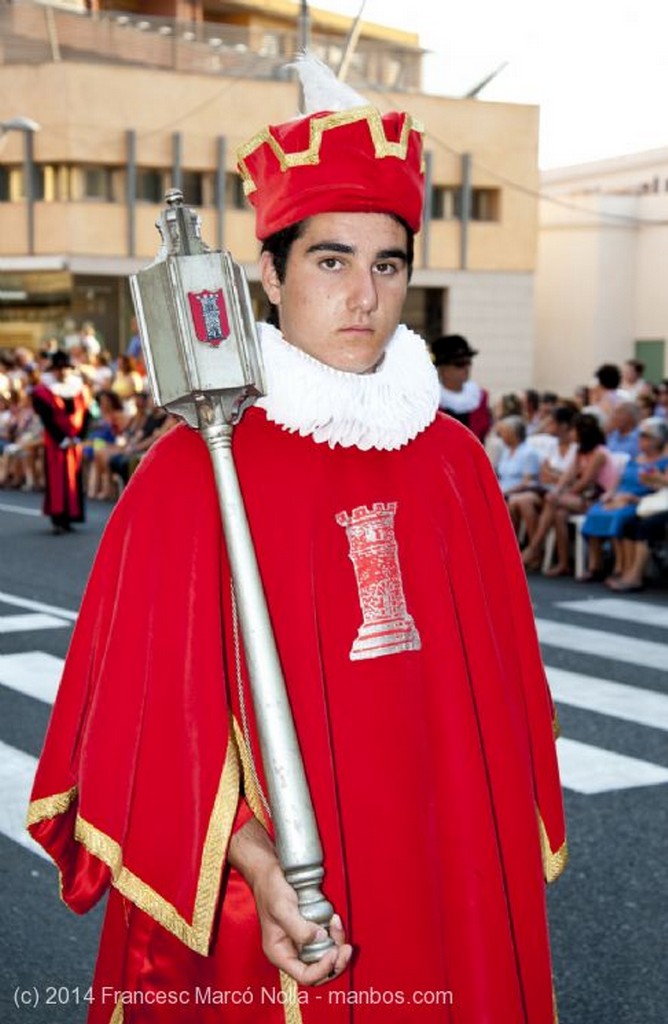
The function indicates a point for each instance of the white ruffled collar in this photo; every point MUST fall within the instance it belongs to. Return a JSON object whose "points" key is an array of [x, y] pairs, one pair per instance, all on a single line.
{"points": [[383, 410], [462, 401], [70, 387]]}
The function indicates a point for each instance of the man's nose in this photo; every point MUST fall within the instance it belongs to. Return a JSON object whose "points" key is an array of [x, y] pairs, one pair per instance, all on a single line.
{"points": [[363, 294]]}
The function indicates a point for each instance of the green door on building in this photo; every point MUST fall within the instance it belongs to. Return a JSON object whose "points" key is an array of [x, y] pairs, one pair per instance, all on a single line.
{"points": [[653, 354]]}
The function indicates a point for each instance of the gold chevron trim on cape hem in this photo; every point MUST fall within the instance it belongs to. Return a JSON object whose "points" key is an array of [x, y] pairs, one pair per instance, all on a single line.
{"points": [[117, 1015], [556, 725], [553, 863], [50, 806], [289, 990], [195, 935], [251, 790], [317, 127], [289, 987]]}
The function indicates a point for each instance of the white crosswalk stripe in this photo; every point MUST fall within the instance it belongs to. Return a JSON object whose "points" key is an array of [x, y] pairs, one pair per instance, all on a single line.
{"points": [[4, 507], [646, 707], [17, 770], [30, 623], [37, 606], [645, 653], [587, 769], [34, 674], [642, 612]]}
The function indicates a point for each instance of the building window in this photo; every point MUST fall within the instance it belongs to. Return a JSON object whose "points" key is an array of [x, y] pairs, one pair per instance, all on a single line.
{"points": [[149, 185], [485, 204], [96, 183], [52, 185], [4, 184], [447, 203], [192, 186], [234, 192], [63, 182], [38, 176], [12, 183]]}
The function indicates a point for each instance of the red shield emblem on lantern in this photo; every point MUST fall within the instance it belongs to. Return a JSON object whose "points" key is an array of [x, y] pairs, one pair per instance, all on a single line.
{"points": [[209, 315]]}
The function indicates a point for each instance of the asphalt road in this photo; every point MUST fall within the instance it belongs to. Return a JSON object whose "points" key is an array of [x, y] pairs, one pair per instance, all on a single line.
{"points": [[608, 913]]}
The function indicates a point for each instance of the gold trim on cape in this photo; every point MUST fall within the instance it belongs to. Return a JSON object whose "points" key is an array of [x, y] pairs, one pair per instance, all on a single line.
{"points": [[250, 784], [553, 863], [317, 127], [117, 1015], [556, 725], [289, 989], [50, 806], [289, 986], [195, 935]]}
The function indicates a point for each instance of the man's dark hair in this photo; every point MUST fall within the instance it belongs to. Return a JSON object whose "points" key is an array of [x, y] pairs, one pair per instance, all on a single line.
{"points": [[549, 397], [589, 431], [637, 366], [280, 243], [608, 376]]}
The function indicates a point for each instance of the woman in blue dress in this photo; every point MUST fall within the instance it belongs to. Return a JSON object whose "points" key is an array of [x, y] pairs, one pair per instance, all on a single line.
{"points": [[607, 519]]}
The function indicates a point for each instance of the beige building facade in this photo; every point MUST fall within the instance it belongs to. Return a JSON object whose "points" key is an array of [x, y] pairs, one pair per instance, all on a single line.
{"points": [[600, 281], [103, 111]]}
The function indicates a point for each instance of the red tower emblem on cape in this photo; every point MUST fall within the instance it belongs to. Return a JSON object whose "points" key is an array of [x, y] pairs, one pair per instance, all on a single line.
{"points": [[209, 315], [386, 628]]}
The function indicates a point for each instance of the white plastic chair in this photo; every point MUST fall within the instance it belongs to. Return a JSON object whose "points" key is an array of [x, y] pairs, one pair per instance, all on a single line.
{"points": [[579, 546]]}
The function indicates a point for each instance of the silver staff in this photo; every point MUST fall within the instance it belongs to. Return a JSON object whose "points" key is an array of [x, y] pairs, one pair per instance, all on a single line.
{"points": [[204, 364]]}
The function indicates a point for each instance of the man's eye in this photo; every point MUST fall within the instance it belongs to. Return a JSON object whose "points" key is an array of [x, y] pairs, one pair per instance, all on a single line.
{"points": [[330, 263], [386, 268]]}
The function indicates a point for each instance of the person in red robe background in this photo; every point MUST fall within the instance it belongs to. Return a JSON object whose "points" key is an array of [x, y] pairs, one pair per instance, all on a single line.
{"points": [[461, 397], [405, 633], [61, 402]]}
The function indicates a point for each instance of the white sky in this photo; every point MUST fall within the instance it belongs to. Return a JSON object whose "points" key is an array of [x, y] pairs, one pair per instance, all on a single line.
{"points": [[598, 69]]}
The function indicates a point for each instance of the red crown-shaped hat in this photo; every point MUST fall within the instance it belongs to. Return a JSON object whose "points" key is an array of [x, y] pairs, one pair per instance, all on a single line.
{"points": [[344, 161]]}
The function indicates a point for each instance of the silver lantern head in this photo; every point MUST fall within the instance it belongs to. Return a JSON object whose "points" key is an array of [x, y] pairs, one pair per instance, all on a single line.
{"points": [[196, 321]]}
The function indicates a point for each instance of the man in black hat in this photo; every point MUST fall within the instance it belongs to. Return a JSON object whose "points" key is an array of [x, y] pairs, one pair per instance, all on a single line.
{"points": [[61, 401], [461, 397]]}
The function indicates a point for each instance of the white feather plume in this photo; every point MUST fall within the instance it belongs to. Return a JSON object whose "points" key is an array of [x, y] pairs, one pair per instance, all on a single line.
{"points": [[322, 89]]}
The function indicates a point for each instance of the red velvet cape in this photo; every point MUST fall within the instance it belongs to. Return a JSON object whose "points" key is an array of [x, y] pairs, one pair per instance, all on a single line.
{"points": [[433, 770]]}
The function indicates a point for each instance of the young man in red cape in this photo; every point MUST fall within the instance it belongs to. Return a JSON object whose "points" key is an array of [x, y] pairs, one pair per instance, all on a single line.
{"points": [[405, 633]]}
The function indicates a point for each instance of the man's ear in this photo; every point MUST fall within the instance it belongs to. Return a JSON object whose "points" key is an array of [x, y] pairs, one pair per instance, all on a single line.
{"points": [[269, 278]]}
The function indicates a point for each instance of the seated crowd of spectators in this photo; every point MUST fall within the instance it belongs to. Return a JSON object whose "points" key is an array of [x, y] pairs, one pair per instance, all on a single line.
{"points": [[564, 464], [584, 465], [123, 422]]}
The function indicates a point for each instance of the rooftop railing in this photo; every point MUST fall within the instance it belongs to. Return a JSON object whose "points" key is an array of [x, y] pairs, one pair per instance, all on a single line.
{"points": [[37, 33]]}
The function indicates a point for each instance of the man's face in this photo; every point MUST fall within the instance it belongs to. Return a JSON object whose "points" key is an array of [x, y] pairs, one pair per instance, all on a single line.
{"points": [[344, 289], [454, 375]]}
